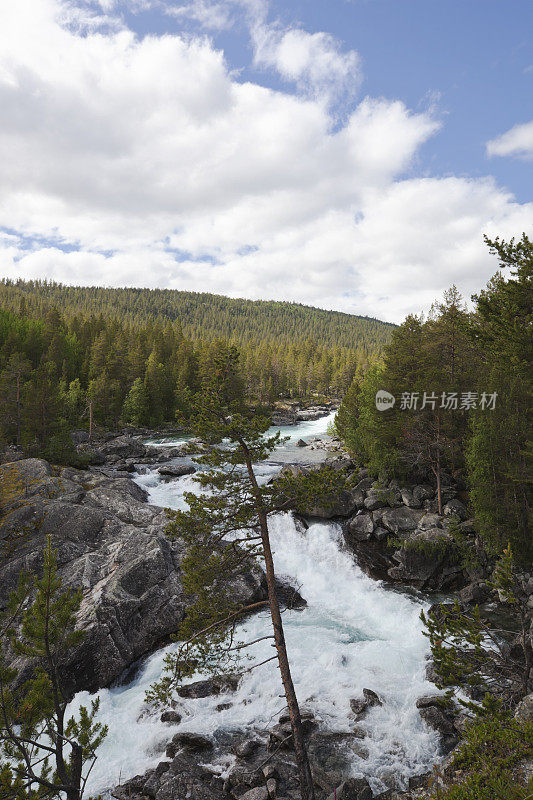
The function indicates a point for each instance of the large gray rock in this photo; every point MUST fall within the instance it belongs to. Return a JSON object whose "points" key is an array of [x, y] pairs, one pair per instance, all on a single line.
{"points": [[524, 710], [401, 520], [177, 470], [191, 742], [352, 789], [361, 527], [423, 492], [211, 686], [375, 500], [441, 720], [420, 561], [123, 447], [408, 499], [454, 508], [112, 546], [341, 506]]}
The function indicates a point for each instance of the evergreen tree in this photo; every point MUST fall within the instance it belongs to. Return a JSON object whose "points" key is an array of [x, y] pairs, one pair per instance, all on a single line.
{"points": [[135, 407], [228, 526], [11, 397], [500, 454], [42, 752]]}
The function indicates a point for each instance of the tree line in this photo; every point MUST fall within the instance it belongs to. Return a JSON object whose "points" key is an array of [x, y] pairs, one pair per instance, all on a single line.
{"points": [[461, 383], [110, 363]]}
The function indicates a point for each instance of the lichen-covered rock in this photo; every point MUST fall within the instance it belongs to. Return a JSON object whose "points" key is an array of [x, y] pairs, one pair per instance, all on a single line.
{"points": [[524, 710]]}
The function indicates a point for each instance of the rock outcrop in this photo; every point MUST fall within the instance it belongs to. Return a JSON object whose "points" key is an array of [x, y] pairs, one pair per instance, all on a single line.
{"points": [[112, 545]]}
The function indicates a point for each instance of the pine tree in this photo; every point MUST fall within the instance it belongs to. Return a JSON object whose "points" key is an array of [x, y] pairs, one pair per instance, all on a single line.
{"points": [[226, 528], [42, 752]]}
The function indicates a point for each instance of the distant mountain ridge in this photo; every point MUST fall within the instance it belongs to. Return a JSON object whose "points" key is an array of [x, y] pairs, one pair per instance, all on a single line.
{"points": [[204, 316]]}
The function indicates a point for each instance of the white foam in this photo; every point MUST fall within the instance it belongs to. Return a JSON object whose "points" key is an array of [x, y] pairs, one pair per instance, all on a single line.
{"points": [[354, 633]]}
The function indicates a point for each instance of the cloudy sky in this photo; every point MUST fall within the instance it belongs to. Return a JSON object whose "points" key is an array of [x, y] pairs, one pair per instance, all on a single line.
{"points": [[348, 154]]}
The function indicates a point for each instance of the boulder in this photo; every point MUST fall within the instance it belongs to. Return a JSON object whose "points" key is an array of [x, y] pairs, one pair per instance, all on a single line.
{"points": [[423, 492], [123, 447], [191, 742], [28, 470], [409, 500], [381, 534], [421, 558], [375, 500], [365, 484], [111, 545], [124, 498], [358, 498], [475, 593], [441, 721], [361, 527], [176, 470], [301, 443], [342, 505], [454, 508], [401, 520], [171, 716], [288, 596], [353, 789], [212, 686], [247, 748], [430, 700], [524, 709], [257, 793], [430, 521], [360, 706]]}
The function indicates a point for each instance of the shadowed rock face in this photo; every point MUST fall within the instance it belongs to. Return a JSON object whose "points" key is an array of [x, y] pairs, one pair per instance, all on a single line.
{"points": [[110, 544]]}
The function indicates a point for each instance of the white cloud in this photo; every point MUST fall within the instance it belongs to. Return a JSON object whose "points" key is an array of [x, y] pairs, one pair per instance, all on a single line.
{"points": [[516, 142], [210, 15], [158, 168], [315, 62]]}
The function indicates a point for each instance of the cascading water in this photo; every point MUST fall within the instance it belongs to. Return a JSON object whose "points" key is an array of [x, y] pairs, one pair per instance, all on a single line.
{"points": [[354, 633]]}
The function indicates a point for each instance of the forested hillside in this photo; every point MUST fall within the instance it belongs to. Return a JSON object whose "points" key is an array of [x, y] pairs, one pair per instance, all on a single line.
{"points": [[137, 356], [462, 386], [207, 316]]}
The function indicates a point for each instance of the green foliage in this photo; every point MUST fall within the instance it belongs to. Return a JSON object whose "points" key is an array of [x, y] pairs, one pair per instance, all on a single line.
{"points": [[125, 351], [493, 748], [499, 454], [135, 407], [469, 652], [225, 526], [487, 351], [43, 754]]}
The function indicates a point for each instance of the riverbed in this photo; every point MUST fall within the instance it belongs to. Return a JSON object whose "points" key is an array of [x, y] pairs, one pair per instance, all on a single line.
{"points": [[354, 633]]}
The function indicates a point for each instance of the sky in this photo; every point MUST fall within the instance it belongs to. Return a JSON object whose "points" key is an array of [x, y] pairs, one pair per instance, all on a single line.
{"points": [[346, 154]]}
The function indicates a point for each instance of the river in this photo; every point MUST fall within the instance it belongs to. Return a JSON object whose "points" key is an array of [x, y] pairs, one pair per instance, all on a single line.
{"points": [[354, 633]]}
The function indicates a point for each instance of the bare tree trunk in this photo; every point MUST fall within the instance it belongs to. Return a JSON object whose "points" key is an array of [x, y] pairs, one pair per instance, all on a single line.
{"points": [[18, 409], [90, 420], [76, 766], [304, 770]]}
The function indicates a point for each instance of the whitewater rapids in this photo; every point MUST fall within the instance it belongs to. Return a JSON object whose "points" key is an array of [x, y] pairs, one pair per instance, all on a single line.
{"points": [[354, 633]]}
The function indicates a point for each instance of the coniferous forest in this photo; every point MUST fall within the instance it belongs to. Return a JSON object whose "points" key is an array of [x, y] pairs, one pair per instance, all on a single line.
{"points": [[136, 356], [462, 387]]}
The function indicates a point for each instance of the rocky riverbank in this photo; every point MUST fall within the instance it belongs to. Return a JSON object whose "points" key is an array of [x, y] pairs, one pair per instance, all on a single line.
{"points": [[111, 543]]}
